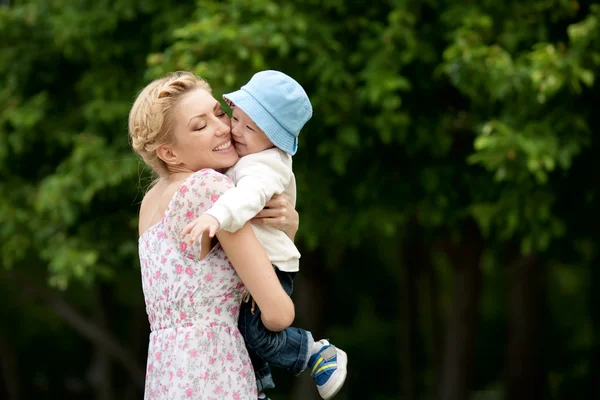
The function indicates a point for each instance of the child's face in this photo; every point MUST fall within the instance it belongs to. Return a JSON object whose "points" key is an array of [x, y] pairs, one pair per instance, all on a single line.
{"points": [[248, 138]]}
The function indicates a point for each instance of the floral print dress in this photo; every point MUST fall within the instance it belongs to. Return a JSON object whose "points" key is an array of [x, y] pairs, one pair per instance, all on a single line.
{"points": [[196, 350]]}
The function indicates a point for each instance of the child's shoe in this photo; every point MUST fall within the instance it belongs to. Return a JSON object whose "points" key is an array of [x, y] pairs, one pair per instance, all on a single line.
{"points": [[328, 368], [262, 396]]}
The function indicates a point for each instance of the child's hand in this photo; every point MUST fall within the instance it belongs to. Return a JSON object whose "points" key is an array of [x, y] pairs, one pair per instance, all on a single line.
{"points": [[200, 225]]}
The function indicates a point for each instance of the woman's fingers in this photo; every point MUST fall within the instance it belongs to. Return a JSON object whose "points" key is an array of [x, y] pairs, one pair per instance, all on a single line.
{"points": [[277, 201], [275, 221], [278, 212], [271, 212]]}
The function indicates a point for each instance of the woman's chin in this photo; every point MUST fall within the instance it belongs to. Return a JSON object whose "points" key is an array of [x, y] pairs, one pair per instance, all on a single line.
{"points": [[228, 159]]}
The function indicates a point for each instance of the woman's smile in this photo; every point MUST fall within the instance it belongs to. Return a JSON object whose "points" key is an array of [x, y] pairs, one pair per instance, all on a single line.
{"points": [[224, 147]]}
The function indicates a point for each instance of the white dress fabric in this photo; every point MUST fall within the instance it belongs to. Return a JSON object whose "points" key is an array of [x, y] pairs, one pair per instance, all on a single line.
{"points": [[196, 350]]}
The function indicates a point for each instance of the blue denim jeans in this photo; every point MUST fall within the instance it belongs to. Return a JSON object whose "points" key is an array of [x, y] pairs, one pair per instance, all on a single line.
{"points": [[289, 349]]}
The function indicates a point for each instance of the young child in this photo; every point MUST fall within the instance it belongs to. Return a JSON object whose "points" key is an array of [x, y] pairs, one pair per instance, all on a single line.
{"points": [[268, 114]]}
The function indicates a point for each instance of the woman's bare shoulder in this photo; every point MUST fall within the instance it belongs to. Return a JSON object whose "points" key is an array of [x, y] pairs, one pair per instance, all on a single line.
{"points": [[156, 201]]}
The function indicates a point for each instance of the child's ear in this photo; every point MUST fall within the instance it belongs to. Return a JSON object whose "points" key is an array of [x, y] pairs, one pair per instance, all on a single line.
{"points": [[165, 153]]}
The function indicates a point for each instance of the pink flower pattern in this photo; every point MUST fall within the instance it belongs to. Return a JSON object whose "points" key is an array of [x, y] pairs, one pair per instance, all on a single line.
{"points": [[195, 350]]}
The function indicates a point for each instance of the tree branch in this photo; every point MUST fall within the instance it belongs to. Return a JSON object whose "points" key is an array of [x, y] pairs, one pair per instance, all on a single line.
{"points": [[93, 332], [99, 337]]}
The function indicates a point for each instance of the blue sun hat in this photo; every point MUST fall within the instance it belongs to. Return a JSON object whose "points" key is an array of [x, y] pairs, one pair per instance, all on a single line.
{"points": [[277, 104]]}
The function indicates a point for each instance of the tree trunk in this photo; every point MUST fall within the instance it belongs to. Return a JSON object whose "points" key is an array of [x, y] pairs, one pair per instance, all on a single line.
{"points": [[407, 344], [137, 342], [524, 378], [100, 369], [309, 313], [8, 359], [417, 259], [594, 374], [457, 364], [436, 325]]}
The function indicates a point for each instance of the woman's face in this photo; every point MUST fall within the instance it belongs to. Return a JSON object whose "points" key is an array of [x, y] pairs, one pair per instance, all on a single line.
{"points": [[202, 133]]}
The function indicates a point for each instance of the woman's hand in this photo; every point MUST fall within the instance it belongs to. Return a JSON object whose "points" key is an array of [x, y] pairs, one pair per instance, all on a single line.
{"points": [[278, 212]]}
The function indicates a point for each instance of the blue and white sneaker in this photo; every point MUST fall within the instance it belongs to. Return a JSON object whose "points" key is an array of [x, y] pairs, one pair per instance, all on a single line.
{"points": [[328, 367]]}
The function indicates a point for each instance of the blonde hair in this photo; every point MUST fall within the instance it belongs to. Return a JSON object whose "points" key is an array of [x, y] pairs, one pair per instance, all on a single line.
{"points": [[151, 117]]}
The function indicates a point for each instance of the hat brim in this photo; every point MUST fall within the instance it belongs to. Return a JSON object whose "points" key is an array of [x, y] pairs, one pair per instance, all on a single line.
{"points": [[276, 133]]}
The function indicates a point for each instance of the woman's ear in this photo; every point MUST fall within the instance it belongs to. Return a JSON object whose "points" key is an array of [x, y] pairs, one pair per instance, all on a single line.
{"points": [[165, 153]]}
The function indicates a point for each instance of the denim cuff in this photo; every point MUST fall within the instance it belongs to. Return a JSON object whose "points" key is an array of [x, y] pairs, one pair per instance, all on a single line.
{"points": [[306, 345], [264, 379]]}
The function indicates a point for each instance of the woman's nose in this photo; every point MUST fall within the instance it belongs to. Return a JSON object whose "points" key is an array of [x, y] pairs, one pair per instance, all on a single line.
{"points": [[223, 129], [235, 130]]}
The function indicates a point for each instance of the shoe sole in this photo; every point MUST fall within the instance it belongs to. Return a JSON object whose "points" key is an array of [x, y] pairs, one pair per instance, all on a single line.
{"points": [[337, 379]]}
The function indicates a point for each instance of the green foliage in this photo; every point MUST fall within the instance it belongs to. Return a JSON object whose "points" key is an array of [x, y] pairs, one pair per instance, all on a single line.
{"points": [[66, 168]]}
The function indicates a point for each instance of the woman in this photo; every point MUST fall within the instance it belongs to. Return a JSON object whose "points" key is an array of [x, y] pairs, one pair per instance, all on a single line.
{"points": [[192, 293]]}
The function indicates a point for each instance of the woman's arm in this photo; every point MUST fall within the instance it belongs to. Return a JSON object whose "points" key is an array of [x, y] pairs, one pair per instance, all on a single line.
{"points": [[250, 261], [243, 249]]}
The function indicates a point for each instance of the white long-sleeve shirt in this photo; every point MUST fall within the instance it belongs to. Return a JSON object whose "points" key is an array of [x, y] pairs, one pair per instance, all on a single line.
{"points": [[257, 178]]}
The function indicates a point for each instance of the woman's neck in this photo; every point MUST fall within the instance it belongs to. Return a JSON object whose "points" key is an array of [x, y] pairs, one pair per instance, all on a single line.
{"points": [[175, 174]]}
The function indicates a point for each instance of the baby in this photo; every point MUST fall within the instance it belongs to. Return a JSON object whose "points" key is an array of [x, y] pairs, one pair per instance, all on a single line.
{"points": [[268, 114]]}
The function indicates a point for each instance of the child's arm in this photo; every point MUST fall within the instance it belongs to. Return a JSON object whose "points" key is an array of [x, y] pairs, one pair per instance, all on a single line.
{"points": [[258, 181], [200, 225]]}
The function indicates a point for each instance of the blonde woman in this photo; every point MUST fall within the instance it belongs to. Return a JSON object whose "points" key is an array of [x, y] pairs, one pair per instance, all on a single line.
{"points": [[193, 292]]}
